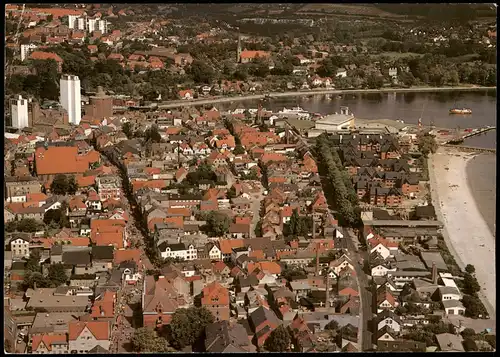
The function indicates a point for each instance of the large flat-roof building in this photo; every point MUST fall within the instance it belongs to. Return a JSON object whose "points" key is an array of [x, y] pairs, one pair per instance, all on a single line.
{"points": [[333, 123]]}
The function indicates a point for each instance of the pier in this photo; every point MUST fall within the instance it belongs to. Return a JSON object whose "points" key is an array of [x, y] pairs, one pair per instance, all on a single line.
{"points": [[474, 132], [469, 148]]}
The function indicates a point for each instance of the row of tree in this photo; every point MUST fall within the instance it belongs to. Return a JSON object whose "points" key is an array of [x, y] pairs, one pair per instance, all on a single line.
{"points": [[344, 196]]}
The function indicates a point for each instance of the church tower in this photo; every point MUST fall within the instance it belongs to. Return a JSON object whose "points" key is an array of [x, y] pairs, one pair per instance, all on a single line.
{"points": [[238, 58]]}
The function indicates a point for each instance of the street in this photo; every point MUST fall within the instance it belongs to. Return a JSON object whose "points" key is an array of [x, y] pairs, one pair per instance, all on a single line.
{"points": [[364, 286], [255, 207]]}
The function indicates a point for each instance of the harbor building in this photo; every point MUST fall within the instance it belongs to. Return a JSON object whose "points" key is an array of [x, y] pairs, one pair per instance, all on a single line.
{"points": [[333, 123]]}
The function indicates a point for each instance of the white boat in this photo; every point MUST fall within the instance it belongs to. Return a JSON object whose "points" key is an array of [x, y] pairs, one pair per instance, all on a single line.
{"points": [[297, 112]]}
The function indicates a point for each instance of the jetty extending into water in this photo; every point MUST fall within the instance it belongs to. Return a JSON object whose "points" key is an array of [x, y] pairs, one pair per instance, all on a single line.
{"points": [[469, 148], [473, 132]]}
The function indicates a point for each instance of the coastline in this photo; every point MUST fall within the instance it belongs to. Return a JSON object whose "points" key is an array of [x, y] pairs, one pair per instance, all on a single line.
{"points": [[481, 178], [215, 100], [466, 233]]}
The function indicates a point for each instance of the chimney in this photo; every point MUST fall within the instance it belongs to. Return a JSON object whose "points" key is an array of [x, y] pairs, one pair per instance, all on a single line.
{"points": [[317, 259], [434, 273]]}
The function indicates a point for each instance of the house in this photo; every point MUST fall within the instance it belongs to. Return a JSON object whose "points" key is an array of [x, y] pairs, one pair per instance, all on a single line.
{"points": [[248, 56], [448, 342], [85, 336], [263, 321], [385, 300], [49, 344], [401, 346], [187, 94], [227, 337], [178, 250], [214, 252], [341, 73], [453, 307], [302, 335], [390, 319], [39, 55], [216, 300], [386, 333], [19, 247], [44, 300], [240, 230], [382, 246], [160, 299], [447, 293]]}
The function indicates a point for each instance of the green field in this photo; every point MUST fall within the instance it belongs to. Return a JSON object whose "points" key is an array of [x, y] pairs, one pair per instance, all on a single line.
{"points": [[397, 55]]}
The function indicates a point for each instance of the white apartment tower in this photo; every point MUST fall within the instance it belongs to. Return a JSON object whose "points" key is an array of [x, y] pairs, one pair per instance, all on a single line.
{"points": [[26, 50], [19, 112], [97, 25], [72, 20], [71, 98], [80, 25]]}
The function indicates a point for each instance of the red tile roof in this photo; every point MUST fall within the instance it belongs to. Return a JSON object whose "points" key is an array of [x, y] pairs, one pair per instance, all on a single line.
{"points": [[48, 341], [63, 160], [100, 329], [39, 55], [123, 255], [254, 54], [215, 294]]}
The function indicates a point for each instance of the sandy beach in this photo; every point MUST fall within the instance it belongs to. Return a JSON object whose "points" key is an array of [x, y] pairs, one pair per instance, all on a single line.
{"points": [[466, 232]]}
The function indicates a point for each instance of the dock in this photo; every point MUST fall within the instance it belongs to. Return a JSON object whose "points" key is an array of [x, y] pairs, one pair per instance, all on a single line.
{"points": [[469, 148], [474, 132]]}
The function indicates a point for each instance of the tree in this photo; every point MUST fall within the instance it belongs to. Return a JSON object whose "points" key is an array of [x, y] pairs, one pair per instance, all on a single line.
{"points": [[469, 345], [57, 274], [374, 81], [28, 225], [231, 193], [59, 185], [217, 224], [294, 222], [72, 185], [33, 262], [471, 285], [188, 326], [427, 144], [201, 72], [11, 226], [153, 134], [56, 216], [332, 325], [127, 130], [278, 340], [239, 150], [470, 269], [468, 332], [147, 340], [32, 279], [473, 306]]}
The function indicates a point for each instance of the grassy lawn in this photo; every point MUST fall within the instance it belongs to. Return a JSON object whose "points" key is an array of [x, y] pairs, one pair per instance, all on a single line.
{"points": [[397, 55], [359, 10], [466, 58]]}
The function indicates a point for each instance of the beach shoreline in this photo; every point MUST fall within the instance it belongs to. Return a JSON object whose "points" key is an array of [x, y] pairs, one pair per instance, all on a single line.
{"points": [[466, 233]]}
